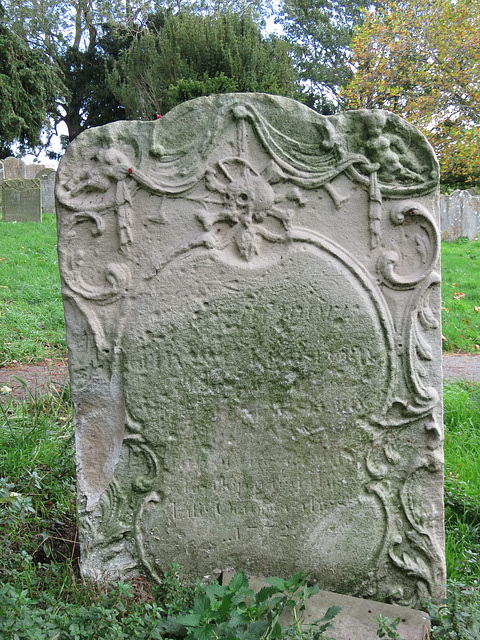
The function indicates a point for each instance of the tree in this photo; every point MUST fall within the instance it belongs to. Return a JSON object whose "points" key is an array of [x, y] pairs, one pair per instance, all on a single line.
{"points": [[421, 60], [82, 38], [185, 55], [28, 87], [320, 33], [75, 38]]}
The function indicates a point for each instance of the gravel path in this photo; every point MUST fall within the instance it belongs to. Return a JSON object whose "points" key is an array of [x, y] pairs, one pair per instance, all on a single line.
{"points": [[23, 381], [30, 380], [466, 367]]}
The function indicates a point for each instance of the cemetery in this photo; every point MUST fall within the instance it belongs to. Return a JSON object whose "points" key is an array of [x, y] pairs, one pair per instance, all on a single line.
{"points": [[26, 190], [255, 356], [240, 321]]}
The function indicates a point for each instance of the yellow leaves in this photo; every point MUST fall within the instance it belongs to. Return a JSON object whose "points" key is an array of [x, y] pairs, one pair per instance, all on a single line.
{"points": [[476, 309], [412, 61], [458, 295]]}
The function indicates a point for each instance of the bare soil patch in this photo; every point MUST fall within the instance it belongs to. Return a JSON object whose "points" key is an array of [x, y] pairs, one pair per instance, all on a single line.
{"points": [[28, 381]]}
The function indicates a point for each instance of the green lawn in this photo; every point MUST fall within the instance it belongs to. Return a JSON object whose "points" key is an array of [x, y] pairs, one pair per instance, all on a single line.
{"points": [[42, 595], [32, 326], [461, 295]]}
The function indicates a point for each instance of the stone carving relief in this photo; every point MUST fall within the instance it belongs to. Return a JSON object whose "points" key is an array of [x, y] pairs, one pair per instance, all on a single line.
{"points": [[224, 193]]}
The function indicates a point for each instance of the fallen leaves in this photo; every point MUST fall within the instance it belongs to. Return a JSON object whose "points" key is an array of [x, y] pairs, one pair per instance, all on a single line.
{"points": [[458, 295]]}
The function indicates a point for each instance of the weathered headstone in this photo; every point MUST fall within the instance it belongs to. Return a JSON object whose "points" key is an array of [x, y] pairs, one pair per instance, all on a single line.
{"points": [[460, 215], [21, 201], [251, 293], [14, 168], [47, 176], [31, 170], [1, 180]]}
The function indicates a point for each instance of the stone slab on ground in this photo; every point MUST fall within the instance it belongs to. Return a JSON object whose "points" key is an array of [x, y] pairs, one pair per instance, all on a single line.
{"points": [[358, 618]]}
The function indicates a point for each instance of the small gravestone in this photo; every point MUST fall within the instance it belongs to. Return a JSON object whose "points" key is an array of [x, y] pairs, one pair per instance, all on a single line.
{"points": [[14, 168], [1, 180], [21, 201], [252, 297], [460, 215], [47, 176], [31, 170]]}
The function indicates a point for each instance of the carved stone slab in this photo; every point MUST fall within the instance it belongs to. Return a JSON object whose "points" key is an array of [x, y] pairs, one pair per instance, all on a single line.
{"points": [[14, 168], [47, 177], [253, 319], [21, 200]]}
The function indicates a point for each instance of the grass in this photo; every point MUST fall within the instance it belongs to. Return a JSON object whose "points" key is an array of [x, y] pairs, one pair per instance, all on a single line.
{"points": [[42, 595], [32, 326], [461, 295], [462, 484]]}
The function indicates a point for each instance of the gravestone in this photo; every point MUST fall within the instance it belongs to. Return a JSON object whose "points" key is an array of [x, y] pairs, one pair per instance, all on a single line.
{"points": [[251, 293], [1, 180], [21, 201], [31, 170], [13, 168], [47, 176], [460, 215]]}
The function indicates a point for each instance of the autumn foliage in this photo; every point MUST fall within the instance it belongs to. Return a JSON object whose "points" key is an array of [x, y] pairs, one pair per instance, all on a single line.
{"points": [[421, 60]]}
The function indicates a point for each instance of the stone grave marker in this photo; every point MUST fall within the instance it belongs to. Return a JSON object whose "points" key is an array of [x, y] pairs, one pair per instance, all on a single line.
{"points": [[251, 293], [14, 168], [1, 180], [21, 200], [47, 176], [32, 170]]}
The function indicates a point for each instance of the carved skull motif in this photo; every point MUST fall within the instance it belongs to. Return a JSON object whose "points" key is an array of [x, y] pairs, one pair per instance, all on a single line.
{"points": [[248, 199]]}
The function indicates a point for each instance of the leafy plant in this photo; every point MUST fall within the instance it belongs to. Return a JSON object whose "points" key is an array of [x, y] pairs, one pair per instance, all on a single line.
{"points": [[235, 612], [387, 628], [458, 616]]}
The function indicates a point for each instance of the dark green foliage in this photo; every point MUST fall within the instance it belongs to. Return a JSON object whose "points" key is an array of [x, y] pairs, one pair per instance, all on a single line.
{"points": [[28, 87], [320, 33], [458, 616], [185, 55], [91, 102]]}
